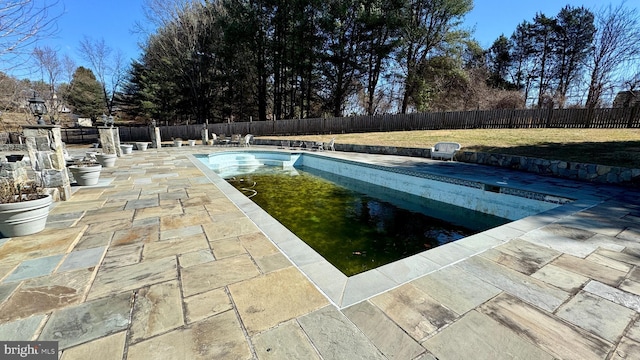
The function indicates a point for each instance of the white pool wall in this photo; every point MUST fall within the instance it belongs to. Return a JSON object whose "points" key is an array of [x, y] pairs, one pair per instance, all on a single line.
{"points": [[474, 196], [464, 193]]}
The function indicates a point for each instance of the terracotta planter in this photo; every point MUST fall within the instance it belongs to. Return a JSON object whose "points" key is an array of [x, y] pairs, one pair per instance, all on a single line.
{"points": [[86, 175], [24, 218], [142, 146], [107, 160], [126, 148]]}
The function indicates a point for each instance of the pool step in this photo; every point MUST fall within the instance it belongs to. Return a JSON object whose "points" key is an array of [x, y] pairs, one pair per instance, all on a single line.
{"points": [[246, 160], [233, 163], [270, 162]]}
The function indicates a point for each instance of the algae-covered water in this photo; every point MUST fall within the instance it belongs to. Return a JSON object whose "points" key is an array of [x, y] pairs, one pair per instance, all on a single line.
{"points": [[357, 226]]}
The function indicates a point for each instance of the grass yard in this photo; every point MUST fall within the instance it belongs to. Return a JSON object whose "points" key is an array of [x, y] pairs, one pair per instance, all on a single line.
{"points": [[613, 147]]}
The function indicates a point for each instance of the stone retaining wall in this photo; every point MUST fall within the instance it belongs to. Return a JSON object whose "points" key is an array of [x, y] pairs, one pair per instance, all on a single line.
{"points": [[13, 147], [562, 169], [558, 168]]}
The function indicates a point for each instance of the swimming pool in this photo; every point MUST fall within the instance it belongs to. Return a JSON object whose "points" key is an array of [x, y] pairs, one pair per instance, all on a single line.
{"points": [[355, 225], [489, 198], [513, 202]]}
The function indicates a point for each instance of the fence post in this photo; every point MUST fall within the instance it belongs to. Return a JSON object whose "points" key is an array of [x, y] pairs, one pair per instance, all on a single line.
{"points": [[632, 115]]}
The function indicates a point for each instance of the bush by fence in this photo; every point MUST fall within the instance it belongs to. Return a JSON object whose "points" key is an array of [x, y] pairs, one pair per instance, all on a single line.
{"points": [[481, 119]]}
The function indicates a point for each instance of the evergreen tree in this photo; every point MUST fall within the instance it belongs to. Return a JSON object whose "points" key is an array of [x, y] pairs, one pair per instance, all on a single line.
{"points": [[85, 94], [381, 25], [544, 31], [430, 27], [522, 66], [549, 53], [576, 31], [342, 53], [499, 61]]}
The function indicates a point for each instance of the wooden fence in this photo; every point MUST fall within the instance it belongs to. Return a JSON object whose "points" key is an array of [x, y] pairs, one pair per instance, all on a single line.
{"points": [[83, 135], [481, 119], [485, 119]]}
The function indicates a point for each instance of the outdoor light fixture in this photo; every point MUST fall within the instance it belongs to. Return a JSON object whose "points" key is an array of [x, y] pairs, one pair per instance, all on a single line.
{"points": [[37, 107], [107, 120]]}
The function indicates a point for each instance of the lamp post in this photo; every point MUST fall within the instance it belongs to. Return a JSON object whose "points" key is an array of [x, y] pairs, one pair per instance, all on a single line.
{"points": [[37, 107], [107, 120]]}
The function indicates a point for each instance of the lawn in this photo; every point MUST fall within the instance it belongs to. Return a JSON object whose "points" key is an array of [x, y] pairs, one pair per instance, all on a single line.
{"points": [[613, 147]]}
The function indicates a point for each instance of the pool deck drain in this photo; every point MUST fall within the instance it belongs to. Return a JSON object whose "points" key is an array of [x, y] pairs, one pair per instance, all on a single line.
{"points": [[159, 262]]}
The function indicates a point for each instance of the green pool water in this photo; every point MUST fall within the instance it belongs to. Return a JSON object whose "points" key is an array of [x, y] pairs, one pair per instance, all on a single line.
{"points": [[358, 226]]}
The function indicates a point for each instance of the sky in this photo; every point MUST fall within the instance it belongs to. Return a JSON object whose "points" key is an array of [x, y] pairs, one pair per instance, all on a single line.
{"points": [[115, 21], [111, 20], [491, 18]]}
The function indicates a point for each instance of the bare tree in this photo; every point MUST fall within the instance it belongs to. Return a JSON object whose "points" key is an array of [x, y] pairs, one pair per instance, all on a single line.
{"points": [[9, 88], [633, 83], [50, 68], [616, 45], [22, 23], [118, 72], [68, 67], [162, 12], [107, 66]]}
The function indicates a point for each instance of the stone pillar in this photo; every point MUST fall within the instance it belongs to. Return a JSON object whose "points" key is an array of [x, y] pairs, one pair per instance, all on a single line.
{"points": [[205, 136], [156, 140], [16, 171], [110, 140], [116, 140], [46, 152]]}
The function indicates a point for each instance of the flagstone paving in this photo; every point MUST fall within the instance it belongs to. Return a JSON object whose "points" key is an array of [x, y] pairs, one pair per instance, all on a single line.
{"points": [[162, 260]]}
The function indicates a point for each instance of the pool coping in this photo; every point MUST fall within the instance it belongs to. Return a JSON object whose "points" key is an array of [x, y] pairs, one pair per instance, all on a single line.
{"points": [[343, 291]]}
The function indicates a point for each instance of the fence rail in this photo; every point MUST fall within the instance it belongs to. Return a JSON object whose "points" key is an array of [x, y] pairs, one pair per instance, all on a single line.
{"points": [[481, 119]]}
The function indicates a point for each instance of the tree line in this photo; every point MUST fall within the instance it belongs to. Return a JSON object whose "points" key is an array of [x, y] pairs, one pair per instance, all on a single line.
{"points": [[235, 60], [549, 58], [273, 59]]}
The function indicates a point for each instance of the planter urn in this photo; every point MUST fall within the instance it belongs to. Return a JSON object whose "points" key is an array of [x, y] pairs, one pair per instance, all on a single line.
{"points": [[86, 175], [107, 160], [126, 148], [142, 146], [25, 217], [192, 142], [177, 143]]}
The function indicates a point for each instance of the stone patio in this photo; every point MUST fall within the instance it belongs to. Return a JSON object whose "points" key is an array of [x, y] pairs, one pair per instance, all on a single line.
{"points": [[158, 262]]}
